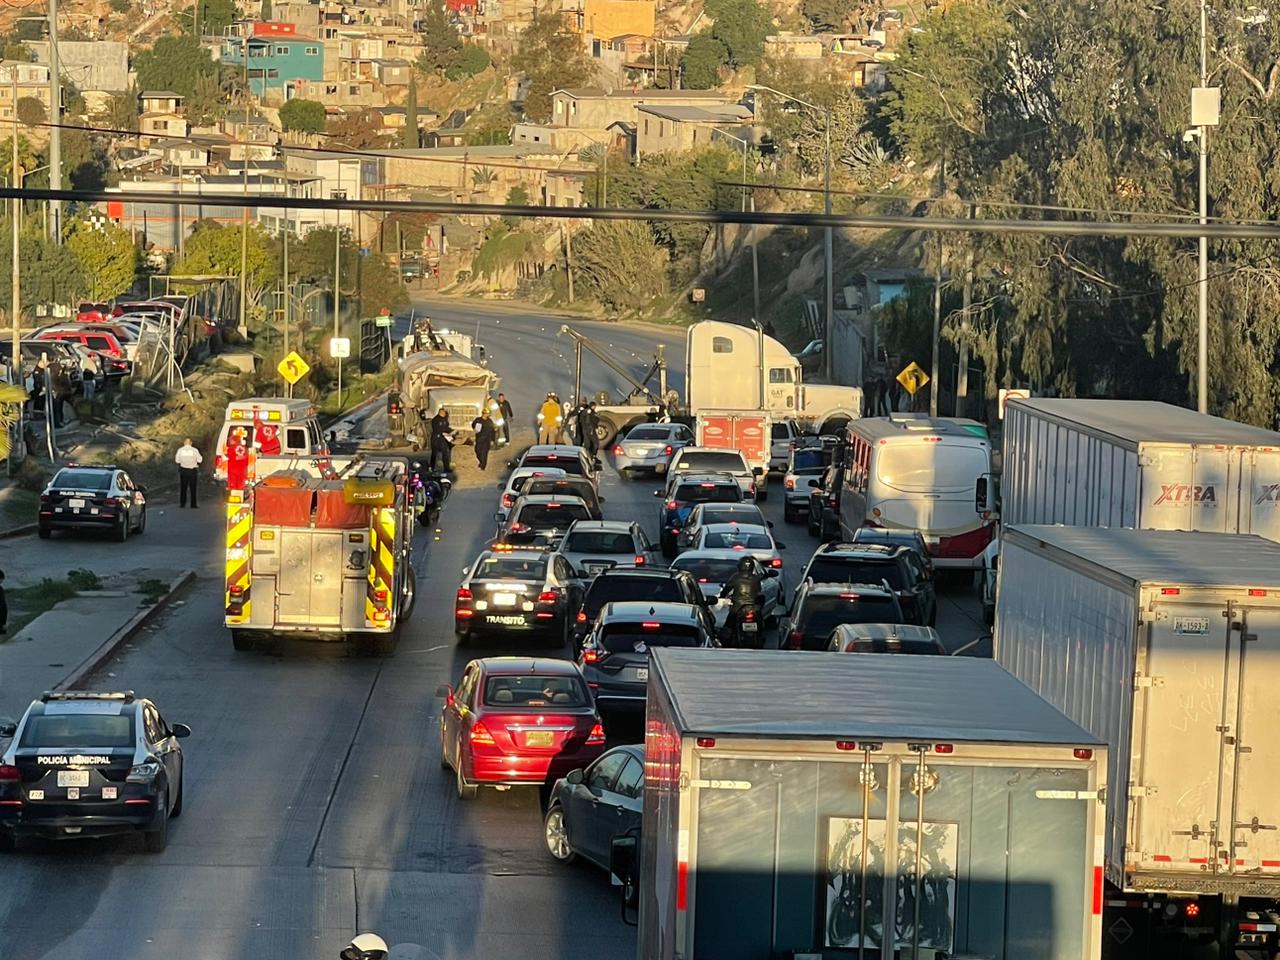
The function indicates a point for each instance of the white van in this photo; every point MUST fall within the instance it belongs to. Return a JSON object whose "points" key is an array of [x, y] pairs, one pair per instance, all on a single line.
{"points": [[281, 431]]}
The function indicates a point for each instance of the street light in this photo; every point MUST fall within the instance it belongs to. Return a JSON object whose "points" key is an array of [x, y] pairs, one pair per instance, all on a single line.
{"points": [[827, 233], [1205, 104]]}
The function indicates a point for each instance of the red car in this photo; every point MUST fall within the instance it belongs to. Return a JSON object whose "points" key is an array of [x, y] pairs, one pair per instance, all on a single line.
{"points": [[516, 720]]}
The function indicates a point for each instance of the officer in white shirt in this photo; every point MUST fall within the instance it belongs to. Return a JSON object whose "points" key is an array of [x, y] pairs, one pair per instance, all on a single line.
{"points": [[188, 460]]}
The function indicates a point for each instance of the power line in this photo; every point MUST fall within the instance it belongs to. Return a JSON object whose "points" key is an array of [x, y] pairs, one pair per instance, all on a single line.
{"points": [[1067, 228]]}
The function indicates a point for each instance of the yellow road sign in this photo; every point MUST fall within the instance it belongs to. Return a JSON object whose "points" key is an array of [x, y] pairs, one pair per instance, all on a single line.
{"points": [[293, 368], [912, 378]]}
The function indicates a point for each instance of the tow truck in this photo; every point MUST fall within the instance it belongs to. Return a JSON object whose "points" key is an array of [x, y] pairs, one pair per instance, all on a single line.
{"points": [[326, 558], [639, 405]]}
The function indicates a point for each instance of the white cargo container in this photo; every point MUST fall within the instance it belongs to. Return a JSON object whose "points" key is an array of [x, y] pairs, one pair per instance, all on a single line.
{"points": [[818, 804], [1165, 644], [1137, 463]]}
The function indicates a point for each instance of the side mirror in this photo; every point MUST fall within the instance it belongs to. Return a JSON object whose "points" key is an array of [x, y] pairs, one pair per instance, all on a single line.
{"points": [[446, 691], [815, 483], [773, 572], [769, 524], [623, 861], [180, 730], [574, 777], [780, 546], [758, 471], [8, 728], [498, 517], [465, 571], [657, 493], [980, 495]]}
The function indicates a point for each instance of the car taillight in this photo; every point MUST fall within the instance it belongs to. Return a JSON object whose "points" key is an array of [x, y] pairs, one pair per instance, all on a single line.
{"points": [[464, 593], [548, 596], [45, 498], [519, 528], [481, 736], [794, 639], [110, 502], [617, 451], [789, 483], [668, 450], [831, 502], [749, 616], [581, 617], [776, 562], [9, 773], [596, 735], [508, 501], [639, 560], [592, 655], [671, 504]]}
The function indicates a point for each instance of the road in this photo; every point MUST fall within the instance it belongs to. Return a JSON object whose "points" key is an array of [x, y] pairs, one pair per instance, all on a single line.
{"points": [[315, 803]]}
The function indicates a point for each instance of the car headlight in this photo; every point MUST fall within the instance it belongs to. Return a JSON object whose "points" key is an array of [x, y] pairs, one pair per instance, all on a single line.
{"points": [[144, 772]]}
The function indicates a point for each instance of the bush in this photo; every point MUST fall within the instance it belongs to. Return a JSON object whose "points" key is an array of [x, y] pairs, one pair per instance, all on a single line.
{"points": [[304, 116], [30, 111], [121, 6], [471, 60]]}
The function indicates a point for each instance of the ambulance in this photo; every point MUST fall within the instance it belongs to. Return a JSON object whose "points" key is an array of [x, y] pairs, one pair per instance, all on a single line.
{"points": [[325, 558], [268, 434]]}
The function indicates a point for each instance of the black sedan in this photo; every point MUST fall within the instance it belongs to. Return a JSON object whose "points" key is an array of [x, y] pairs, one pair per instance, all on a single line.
{"points": [[92, 497], [589, 807]]}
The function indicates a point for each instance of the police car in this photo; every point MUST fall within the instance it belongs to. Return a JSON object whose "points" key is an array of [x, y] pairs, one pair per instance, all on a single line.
{"points": [[81, 496], [521, 589], [91, 765]]}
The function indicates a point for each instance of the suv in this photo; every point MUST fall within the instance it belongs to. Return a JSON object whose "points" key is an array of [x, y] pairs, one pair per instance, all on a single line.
{"points": [[593, 546], [801, 475], [615, 656], [700, 460], [516, 481], [889, 563], [516, 590], [84, 764], [572, 460], [92, 497], [783, 437], [705, 513], [681, 497], [824, 504], [650, 585], [818, 608], [913, 539], [540, 518], [567, 486]]}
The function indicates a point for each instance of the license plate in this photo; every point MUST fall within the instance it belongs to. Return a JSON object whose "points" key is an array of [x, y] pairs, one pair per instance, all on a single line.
{"points": [[503, 599], [73, 778], [507, 621], [642, 673], [642, 451], [539, 738], [597, 567], [75, 502], [749, 628]]}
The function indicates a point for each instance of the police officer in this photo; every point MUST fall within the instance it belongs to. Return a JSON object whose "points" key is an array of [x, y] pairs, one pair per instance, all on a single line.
{"points": [[441, 442], [504, 408], [485, 434], [744, 589], [588, 421]]}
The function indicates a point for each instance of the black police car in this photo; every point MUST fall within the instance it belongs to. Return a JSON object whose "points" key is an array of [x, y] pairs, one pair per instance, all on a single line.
{"points": [[91, 765], [92, 497]]}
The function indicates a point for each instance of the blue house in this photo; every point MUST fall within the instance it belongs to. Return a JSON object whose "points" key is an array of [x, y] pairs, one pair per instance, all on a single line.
{"points": [[277, 56]]}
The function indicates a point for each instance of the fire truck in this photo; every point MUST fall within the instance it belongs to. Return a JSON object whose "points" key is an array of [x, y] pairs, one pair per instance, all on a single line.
{"points": [[327, 558]]}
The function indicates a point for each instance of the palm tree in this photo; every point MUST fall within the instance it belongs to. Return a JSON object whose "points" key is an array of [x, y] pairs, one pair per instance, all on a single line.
{"points": [[11, 397], [482, 178]]}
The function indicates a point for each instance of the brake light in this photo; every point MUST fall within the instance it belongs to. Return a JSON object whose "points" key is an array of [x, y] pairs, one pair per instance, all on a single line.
{"points": [[519, 527], [464, 593], [668, 450], [944, 748], [651, 625], [480, 735], [846, 745], [749, 616], [617, 451], [671, 504], [775, 562], [707, 486], [548, 596], [789, 483], [1170, 591], [236, 589], [553, 506], [639, 560], [1082, 753], [849, 596], [706, 743], [592, 655], [1255, 593], [794, 639], [9, 773], [110, 502], [596, 736], [45, 498], [380, 595], [1192, 909], [581, 617], [508, 501]]}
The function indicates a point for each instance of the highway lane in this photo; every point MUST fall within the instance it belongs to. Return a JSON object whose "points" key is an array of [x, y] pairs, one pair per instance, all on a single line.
{"points": [[316, 804]]}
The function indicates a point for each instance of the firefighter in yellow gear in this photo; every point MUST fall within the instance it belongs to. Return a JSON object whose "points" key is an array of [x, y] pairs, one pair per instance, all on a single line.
{"points": [[550, 420]]}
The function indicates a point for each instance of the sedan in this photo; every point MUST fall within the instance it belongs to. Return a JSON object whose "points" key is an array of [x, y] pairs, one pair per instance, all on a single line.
{"points": [[514, 721], [906, 638], [650, 447], [705, 513], [593, 546], [588, 808], [745, 538], [515, 484], [517, 590], [713, 568], [92, 497]]}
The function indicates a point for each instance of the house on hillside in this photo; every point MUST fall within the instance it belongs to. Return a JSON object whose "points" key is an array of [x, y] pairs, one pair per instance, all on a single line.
{"points": [[277, 55], [593, 108], [675, 129], [32, 80], [161, 114]]}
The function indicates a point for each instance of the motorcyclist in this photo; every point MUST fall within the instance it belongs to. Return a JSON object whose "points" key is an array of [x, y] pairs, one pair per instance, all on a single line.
{"points": [[744, 589]]}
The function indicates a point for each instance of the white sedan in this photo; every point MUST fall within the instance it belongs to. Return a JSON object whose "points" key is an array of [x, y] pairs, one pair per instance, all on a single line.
{"points": [[713, 568], [751, 539]]}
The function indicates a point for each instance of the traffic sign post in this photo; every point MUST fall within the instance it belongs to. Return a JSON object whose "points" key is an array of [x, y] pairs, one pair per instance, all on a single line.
{"points": [[912, 378], [1012, 394], [339, 349], [293, 368]]}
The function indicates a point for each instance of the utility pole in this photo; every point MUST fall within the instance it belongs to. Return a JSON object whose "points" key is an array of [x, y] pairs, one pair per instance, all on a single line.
{"points": [[568, 258], [937, 300], [755, 266], [15, 306], [1202, 280], [55, 125], [962, 374], [244, 211], [337, 291], [828, 254]]}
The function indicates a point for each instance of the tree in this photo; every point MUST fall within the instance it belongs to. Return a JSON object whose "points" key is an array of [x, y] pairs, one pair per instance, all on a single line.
{"points": [[214, 249], [208, 100], [702, 60], [303, 116], [838, 15], [264, 14], [359, 131], [13, 50], [122, 111], [372, 278], [31, 111], [471, 59], [50, 272], [214, 16], [550, 57], [173, 63], [441, 44], [620, 264], [108, 255], [741, 25], [409, 136]]}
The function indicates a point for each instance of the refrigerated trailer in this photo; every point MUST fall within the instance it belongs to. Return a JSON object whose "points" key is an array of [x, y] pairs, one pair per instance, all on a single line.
{"points": [[826, 804], [1165, 644], [1137, 463]]}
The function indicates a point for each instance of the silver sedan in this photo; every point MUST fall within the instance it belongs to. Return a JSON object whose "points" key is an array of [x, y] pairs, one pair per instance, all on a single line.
{"points": [[741, 538], [650, 447], [713, 568]]}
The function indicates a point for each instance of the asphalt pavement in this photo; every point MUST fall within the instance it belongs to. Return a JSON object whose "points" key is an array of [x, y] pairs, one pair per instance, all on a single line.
{"points": [[315, 802]]}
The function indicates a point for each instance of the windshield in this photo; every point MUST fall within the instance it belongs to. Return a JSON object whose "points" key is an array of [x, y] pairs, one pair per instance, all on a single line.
{"points": [[558, 515], [826, 569], [821, 615], [648, 433], [706, 570], [740, 513], [714, 463], [99, 480], [567, 464], [708, 493], [606, 589], [78, 730], [600, 541], [736, 540], [810, 461], [541, 485], [534, 691], [881, 645], [637, 638], [511, 568], [932, 467]]}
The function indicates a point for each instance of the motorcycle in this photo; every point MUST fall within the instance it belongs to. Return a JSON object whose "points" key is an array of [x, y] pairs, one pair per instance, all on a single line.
{"points": [[745, 631], [430, 490]]}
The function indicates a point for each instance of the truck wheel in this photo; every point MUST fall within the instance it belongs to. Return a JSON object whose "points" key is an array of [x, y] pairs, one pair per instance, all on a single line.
{"points": [[384, 644], [242, 640], [605, 432]]}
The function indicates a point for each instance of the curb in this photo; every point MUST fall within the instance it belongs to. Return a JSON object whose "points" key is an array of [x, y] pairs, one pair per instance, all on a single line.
{"points": [[20, 531], [108, 647]]}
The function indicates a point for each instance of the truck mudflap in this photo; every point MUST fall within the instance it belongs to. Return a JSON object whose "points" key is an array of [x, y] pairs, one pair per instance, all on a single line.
{"points": [[379, 597], [237, 601]]}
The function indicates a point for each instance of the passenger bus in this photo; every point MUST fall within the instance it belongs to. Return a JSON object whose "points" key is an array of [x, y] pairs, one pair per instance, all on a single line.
{"points": [[921, 473]]}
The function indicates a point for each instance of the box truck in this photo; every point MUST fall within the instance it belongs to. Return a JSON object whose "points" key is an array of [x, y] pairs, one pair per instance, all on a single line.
{"points": [[746, 431], [1136, 463], [830, 804], [1165, 644]]}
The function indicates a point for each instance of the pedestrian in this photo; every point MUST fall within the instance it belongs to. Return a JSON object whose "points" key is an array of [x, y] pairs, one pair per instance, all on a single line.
{"points": [[485, 434], [890, 393], [550, 419], [587, 426], [441, 441], [872, 398], [62, 390], [4, 607], [504, 408], [188, 460]]}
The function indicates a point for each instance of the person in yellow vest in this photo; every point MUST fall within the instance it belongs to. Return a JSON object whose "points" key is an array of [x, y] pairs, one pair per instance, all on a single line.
{"points": [[550, 420]]}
